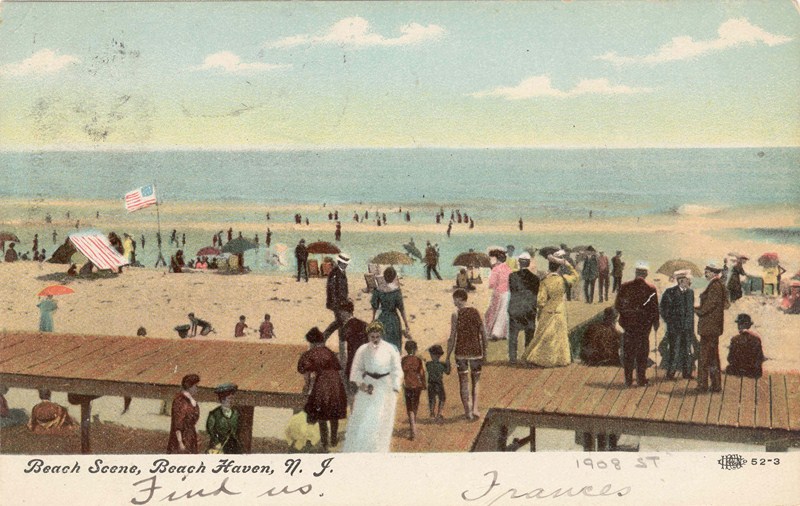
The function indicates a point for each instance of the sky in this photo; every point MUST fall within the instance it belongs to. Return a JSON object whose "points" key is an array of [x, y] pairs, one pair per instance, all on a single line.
{"points": [[278, 75]]}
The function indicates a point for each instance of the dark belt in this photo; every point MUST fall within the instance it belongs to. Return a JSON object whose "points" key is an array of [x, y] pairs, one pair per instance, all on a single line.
{"points": [[375, 375]]}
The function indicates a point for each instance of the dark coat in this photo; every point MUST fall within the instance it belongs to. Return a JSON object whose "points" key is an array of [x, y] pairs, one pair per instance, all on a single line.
{"points": [[745, 355], [711, 313], [590, 269], [677, 310], [617, 265], [336, 292], [637, 304], [523, 286], [301, 253], [184, 418]]}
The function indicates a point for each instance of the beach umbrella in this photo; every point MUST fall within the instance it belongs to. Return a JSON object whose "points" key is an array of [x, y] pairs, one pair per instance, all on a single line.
{"points": [[8, 237], [56, 290], [323, 248], [472, 259], [238, 246], [768, 260], [669, 267], [413, 250], [208, 251], [392, 258]]}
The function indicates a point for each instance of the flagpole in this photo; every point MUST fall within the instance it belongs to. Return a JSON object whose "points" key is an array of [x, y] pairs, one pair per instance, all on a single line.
{"points": [[158, 237]]}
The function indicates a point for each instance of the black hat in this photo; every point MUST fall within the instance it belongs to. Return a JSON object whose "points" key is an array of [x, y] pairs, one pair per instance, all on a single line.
{"points": [[315, 336], [744, 319], [226, 388], [436, 350]]}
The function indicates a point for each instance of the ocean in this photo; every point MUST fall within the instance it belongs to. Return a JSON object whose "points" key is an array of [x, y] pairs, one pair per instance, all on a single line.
{"points": [[492, 185]]}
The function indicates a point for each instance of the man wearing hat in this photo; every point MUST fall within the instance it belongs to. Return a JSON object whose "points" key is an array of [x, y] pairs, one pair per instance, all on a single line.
{"points": [[431, 259], [589, 274], [602, 276], [301, 255], [746, 354], [617, 265], [637, 304], [677, 310], [337, 293], [711, 317], [523, 286]]}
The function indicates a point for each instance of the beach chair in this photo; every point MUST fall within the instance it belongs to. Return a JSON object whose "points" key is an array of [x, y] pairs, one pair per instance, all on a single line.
{"points": [[313, 269], [327, 267], [371, 283]]}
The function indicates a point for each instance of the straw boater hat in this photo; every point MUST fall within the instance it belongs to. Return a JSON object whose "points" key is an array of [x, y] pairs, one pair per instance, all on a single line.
{"points": [[343, 258], [524, 256], [641, 265], [684, 273], [713, 267]]}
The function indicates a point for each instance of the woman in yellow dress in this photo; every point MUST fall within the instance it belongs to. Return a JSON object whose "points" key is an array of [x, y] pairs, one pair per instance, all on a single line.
{"points": [[550, 344]]}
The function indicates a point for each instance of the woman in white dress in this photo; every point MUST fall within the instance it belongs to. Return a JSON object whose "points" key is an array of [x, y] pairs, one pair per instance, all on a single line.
{"points": [[377, 372]]}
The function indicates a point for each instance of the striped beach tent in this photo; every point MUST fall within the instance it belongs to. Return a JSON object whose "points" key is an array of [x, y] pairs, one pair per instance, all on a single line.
{"points": [[98, 249]]}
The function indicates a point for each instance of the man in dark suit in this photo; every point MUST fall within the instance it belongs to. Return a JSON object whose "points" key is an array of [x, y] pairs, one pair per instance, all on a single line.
{"points": [[617, 266], [301, 255], [710, 321], [523, 286], [337, 293], [637, 304], [746, 354], [677, 310]]}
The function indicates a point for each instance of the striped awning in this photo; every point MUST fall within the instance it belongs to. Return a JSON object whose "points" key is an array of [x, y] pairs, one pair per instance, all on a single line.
{"points": [[98, 249]]}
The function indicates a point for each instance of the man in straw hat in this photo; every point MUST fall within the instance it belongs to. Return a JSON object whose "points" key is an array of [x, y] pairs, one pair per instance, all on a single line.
{"points": [[677, 310], [637, 304], [523, 286], [710, 321], [337, 293]]}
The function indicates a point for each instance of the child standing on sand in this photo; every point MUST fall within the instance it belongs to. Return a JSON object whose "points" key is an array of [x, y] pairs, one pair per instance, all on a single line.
{"points": [[413, 383], [436, 371]]}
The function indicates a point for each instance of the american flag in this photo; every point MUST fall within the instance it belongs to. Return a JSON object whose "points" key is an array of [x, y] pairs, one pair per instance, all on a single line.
{"points": [[98, 249], [140, 198]]}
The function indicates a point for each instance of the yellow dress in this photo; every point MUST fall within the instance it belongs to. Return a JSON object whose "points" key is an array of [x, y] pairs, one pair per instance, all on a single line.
{"points": [[550, 344]]}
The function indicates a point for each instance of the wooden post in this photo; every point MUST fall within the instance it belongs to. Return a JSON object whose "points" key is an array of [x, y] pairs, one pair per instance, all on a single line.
{"points": [[589, 442], [246, 427], [532, 438], [502, 438], [85, 402], [602, 442]]}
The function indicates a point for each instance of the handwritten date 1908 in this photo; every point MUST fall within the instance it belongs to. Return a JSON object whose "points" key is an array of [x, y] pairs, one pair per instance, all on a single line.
{"points": [[641, 463]]}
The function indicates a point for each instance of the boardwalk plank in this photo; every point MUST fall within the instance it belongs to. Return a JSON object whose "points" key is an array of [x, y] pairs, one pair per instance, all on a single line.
{"points": [[523, 399], [553, 386], [780, 411], [716, 403], [582, 392], [731, 401], [681, 401], [33, 345], [747, 409], [627, 396], [569, 388], [596, 389], [142, 356], [615, 387], [763, 414], [83, 352], [128, 350], [658, 408], [700, 413], [793, 396], [642, 408], [22, 363]]}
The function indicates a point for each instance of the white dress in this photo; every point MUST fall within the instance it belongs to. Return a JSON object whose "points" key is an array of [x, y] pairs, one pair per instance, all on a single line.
{"points": [[370, 426]]}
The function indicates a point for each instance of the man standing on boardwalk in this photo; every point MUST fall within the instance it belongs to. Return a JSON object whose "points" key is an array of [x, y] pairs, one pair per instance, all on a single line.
{"points": [[637, 304], [337, 294], [711, 317], [617, 265], [677, 309], [589, 275], [602, 277], [301, 255], [523, 286]]}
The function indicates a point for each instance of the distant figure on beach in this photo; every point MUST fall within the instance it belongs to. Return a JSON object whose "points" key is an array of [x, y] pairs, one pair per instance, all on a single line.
{"points": [[468, 342], [55, 236], [637, 304], [141, 241], [194, 322], [431, 259], [185, 414], [266, 330], [679, 346], [230, 234], [337, 234], [327, 399], [174, 266], [589, 274], [602, 277], [240, 327], [496, 316], [301, 256], [408, 216], [746, 354], [770, 276], [336, 293], [47, 307], [413, 384], [222, 424], [550, 345], [378, 375], [47, 417], [11, 254], [173, 238], [520, 224], [268, 239], [617, 266], [127, 247], [471, 223], [436, 369], [389, 300], [73, 270], [35, 246], [710, 326], [449, 230], [523, 286], [601, 341]]}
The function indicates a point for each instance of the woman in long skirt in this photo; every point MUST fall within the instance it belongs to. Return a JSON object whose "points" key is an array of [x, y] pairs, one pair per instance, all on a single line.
{"points": [[496, 317]]}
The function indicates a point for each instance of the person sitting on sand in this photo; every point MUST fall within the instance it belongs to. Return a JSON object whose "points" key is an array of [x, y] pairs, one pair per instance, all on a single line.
{"points": [[266, 330], [11, 254], [746, 354], [462, 280], [205, 327], [47, 417], [72, 271], [241, 326]]}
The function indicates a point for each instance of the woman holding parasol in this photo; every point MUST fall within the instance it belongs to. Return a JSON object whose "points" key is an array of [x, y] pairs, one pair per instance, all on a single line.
{"points": [[735, 280]]}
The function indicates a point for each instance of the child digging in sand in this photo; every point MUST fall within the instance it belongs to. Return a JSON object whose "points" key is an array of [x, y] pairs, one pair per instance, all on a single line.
{"points": [[436, 369], [413, 383]]}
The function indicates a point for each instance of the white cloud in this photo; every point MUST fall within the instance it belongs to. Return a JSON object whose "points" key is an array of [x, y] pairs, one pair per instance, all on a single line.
{"points": [[231, 63], [541, 86], [732, 33], [44, 61], [356, 32]]}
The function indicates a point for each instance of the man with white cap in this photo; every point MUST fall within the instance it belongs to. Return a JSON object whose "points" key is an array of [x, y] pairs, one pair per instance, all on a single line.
{"points": [[710, 321], [337, 293], [637, 304], [677, 310], [523, 286]]}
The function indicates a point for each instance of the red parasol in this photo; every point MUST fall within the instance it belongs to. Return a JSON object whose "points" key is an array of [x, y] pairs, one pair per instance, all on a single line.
{"points": [[56, 290], [208, 251], [768, 260], [323, 248]]}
